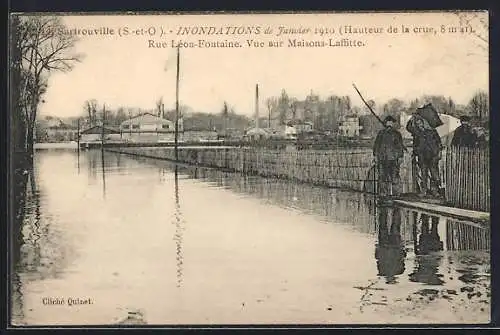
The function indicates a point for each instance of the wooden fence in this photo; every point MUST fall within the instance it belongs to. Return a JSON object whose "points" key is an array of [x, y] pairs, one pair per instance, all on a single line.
{"points": [[467, 178], [463, 236], [343, 168], [465, 172]]}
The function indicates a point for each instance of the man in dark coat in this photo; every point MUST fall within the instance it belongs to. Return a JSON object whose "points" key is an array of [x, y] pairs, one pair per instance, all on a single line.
{"points": [[388, 151], [427, 148], [464, 135]]}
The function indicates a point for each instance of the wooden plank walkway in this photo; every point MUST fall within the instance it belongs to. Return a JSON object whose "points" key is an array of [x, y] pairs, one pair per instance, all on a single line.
{"points": [[452, 212]]}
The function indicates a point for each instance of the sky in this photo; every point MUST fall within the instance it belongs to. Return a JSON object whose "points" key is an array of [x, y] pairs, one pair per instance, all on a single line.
{"points": [[125, 71]]}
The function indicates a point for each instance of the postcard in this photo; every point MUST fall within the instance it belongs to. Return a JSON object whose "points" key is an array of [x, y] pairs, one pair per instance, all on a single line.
{"points": [[249, 169]]}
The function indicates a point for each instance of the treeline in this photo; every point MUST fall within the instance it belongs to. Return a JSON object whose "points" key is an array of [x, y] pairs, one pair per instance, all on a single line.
{"points": [[325, 114], [227, 118]]}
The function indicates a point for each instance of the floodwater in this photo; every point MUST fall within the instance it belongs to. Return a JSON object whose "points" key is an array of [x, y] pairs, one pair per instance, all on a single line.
{"points": [[113, 239]]}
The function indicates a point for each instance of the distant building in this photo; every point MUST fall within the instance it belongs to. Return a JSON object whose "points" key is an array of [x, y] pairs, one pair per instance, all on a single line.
{"points": [[94, 134], [349, 126], [53, 129], [277, 132], [147, 127], [300, 126], [291, 133], [61, 132], [257, 134]]}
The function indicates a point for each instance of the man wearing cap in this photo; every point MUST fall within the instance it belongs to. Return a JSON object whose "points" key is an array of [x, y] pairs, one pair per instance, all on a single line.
{"points": [[388, 151], [464, 135]]}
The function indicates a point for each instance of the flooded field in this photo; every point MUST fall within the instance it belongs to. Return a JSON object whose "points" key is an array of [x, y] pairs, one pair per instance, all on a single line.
{"points": [[111, 239]]}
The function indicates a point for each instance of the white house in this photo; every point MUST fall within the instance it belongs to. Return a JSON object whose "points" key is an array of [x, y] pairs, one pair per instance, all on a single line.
{"points": [[349, 126], [94, 134], [255, 134], [147, 127], [290, 133], [300, 126]]}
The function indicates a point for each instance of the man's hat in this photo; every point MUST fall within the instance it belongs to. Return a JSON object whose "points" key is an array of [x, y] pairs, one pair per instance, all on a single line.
{"points": [[465, 118], [389, 118]]}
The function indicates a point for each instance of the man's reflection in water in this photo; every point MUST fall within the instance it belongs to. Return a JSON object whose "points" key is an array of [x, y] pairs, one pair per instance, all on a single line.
{"points": [[427, 261], [390, 251], [429, 240]]}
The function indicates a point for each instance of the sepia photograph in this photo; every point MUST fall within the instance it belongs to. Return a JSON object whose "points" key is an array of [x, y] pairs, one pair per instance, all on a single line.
{"points": [[174, 169]]}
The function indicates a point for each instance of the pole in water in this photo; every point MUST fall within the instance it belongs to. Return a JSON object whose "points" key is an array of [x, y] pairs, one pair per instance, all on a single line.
{"points": [[78, 135], [102, 126], [176, 139]]}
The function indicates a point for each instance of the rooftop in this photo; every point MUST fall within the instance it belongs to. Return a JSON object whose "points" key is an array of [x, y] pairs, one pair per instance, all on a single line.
{"points": [[98, 130], [146, 118]]}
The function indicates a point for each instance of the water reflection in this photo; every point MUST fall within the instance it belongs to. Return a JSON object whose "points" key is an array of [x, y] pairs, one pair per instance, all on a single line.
{"points": [[78, 160], [98, 162], [390, 251], [38, 249], [93, 157], [21, 175], [396, 249], [179, 228], [398, 230], [343, 207], [103, 172]]}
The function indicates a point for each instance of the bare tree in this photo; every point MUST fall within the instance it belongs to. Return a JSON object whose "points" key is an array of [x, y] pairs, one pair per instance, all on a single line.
{"points": [[120, 115], [479, 106], [18, 120], [271, 103], [44, 47], [293, 107], [346, 102], [90, 107], [225, 114], [283, 105], [160, 107], [476, 26], [393, 107]]}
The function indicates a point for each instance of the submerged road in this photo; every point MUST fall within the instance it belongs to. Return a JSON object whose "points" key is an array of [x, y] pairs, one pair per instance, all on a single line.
{"points": [[128, 240]]}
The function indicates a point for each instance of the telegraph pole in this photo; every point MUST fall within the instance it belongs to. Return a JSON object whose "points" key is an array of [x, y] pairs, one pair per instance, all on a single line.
{"points": [[257, 106], [102, 126], [78, 135], [102, 151], [176, 140]]}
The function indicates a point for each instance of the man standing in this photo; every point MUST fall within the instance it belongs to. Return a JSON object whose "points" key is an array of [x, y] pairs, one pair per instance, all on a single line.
{"points": [[464, 135], [427, 148], [388, 151]]}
